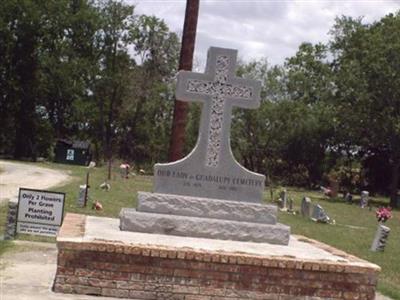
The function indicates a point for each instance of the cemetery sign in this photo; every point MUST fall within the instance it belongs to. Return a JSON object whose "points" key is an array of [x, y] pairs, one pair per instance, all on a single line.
{"points": [[39, 212]]}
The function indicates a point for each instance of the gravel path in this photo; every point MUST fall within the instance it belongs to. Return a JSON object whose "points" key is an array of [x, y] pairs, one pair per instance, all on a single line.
{"points": [[18, 175]]}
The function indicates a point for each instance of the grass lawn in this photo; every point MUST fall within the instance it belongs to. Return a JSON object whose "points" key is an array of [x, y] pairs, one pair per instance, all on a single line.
{"points": [[354, 230]]}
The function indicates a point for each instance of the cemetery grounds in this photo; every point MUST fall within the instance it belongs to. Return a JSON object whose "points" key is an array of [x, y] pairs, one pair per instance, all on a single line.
{"points": [[353, 232]]}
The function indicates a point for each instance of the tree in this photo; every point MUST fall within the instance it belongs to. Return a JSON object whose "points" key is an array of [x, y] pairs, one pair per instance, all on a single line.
{"points": [[68, 65], [21, 34], [367, 64], [45, 62], [310, 80], [146, 119], [114, 67]]}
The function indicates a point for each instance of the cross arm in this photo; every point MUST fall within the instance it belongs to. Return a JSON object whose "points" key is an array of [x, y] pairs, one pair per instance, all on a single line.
{"points": [[182, 92], [245, 92]]}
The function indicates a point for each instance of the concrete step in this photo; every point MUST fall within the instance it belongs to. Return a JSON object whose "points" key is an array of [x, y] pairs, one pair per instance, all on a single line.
{"points": [[132, 220], [206, 208]]}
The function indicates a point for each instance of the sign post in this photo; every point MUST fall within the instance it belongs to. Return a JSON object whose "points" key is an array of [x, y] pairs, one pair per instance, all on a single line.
{"points": [[39, 212]]}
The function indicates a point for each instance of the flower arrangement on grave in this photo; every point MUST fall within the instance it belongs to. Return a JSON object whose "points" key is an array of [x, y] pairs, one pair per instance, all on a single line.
{"points": [[383, 214]]}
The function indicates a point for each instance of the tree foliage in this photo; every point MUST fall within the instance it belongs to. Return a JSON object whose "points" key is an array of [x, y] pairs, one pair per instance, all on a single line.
{"points": [[95, 70], [367, 69], [86, 70]]}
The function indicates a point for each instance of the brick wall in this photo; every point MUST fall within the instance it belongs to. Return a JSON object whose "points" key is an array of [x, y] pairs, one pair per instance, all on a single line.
{"points": [[141, 272]]}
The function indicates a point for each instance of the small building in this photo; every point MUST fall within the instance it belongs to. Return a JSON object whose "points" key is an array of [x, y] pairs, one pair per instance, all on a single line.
{"points": [[72, 152]]}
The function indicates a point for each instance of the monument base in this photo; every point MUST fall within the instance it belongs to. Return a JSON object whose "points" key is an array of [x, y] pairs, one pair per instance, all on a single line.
{"points": [[96, 258], [204, 218], [132, 220]]}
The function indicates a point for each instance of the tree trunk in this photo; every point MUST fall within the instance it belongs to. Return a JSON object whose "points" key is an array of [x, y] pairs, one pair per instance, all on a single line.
{"points": [[177, 140], [26, 69], [394, 185]]}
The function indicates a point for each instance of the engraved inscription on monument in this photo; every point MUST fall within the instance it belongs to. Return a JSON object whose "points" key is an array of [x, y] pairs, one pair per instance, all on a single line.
{"points": [[210, 170]]}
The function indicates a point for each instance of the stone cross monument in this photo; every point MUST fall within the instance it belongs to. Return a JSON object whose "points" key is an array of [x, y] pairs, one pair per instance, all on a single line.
{"points": [[208, 194], [210, 169]]}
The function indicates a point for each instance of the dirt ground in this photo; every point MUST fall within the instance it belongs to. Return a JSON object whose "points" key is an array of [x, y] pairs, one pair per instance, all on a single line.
{"points": [[18, 175]]}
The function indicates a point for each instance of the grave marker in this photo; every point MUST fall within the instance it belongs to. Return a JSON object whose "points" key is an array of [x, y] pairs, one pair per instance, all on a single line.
{"points": [[306, 207], [207, 193], [283, 199], [380, 239], [210, 170], [319, 214], [364, 199]]}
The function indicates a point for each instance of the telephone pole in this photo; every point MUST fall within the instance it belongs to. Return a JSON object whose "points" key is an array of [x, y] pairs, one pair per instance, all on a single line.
{"points": [[177, 140]]}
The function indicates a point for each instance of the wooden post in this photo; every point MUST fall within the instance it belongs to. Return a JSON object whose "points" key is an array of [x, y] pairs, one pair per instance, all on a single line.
{"points": [[177, 140], [86, 190]]}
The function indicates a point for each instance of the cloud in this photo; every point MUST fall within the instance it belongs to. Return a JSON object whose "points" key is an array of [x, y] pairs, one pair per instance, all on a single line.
{"points": [[269, 28]]}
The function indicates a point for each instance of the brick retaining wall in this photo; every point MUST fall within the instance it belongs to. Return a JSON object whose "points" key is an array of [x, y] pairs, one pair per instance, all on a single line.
{"points": [[144, 272]]}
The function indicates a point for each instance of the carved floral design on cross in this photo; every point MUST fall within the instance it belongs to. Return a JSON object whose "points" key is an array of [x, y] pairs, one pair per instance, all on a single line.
{"points": [[217, 88]]}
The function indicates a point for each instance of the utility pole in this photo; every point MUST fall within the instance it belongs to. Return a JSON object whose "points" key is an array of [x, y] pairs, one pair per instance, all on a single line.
{"points": [[177, 140]]}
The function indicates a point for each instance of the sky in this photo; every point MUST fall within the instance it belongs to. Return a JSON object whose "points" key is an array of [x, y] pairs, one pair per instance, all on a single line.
{"points": [[269, 29]]}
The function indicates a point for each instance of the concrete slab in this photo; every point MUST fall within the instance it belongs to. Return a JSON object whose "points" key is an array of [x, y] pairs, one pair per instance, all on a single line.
{"points": [[108, 229]]}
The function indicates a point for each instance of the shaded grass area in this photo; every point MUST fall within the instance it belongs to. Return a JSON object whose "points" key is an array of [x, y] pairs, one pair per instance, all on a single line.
{"points": [[354, 230]]}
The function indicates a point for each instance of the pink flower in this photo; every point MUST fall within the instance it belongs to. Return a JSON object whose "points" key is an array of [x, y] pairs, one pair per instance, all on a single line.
{"points": [[383, 214]]}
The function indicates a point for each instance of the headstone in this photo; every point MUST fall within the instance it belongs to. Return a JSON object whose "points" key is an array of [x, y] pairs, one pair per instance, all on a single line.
{"points": [[380, 239], [210, 169], [348, 198], [283, 199], [290, 208], [208, 193], [81, 196], [306, 207], [364, 199], [319, 214]]}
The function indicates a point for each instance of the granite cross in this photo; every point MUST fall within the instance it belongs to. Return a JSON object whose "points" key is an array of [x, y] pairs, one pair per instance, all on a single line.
{"points": [[218, 88], [210, 170]]}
